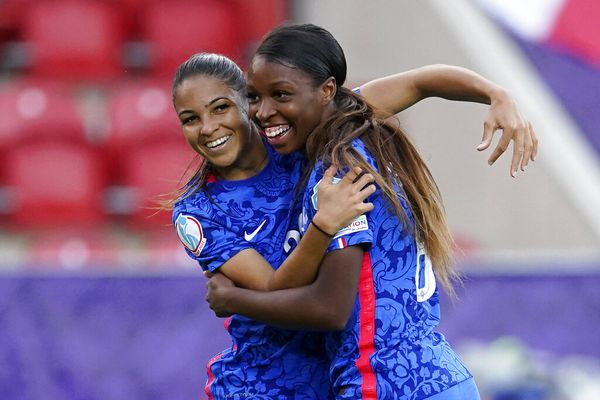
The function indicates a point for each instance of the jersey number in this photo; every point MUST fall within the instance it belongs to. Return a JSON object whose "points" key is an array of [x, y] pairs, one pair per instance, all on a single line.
{"points": [[292, 237], [424, 277]]}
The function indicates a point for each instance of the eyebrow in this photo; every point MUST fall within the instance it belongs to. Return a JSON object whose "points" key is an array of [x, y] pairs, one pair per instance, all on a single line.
{"points": [[281, 82], [206, 105], [217, 99]]}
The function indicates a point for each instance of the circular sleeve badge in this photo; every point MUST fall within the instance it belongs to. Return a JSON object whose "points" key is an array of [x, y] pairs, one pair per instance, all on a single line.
{"points": [[190, 233]]}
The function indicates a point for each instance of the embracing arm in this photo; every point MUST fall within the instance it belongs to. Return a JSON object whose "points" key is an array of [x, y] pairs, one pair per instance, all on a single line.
{"points": [[339, 204], [391, 94], [326, 304]]}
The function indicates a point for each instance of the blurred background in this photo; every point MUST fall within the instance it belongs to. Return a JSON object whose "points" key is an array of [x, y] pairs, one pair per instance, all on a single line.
{"points": [[98, 300]]}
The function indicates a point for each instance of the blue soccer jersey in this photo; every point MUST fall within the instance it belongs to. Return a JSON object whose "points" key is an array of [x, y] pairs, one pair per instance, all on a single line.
{"points": [[215, 224], [389, 349]]}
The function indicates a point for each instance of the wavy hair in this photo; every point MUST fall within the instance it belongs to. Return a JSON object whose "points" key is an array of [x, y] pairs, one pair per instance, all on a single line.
{"points": [[315, 51]]}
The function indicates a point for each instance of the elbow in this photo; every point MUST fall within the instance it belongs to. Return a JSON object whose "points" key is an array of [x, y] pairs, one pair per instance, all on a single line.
{"points": [[338, 325], [332, 319]]}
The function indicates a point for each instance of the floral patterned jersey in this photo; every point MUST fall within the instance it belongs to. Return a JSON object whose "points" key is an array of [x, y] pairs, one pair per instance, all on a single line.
{"points": [[263, 362], [389, 349]]}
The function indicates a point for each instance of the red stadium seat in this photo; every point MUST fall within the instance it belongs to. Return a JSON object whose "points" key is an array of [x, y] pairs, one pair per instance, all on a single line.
{"points": [[258, 17], [130, 12], [177, 29], [11, 17], [54, 183], [74, 39], [139, 113], [153, 171], [30, 111]]}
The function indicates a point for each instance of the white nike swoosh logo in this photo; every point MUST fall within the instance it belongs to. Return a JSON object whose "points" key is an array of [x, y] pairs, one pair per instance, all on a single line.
{"points": [[250, 236]]}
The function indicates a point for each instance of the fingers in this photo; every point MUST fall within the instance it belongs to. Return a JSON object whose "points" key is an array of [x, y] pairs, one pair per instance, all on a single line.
{"points": [[329, 174], [366, 207], [535, 142], [501, 147], [208, 274], [363, 181], [488, 133], [365, 193], [518, 150], [528, 146], [351, 175]]}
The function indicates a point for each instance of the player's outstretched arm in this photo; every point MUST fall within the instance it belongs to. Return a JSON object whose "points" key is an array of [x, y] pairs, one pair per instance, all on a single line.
{"points": [[326, 304], [391, 94], [339, 204]]}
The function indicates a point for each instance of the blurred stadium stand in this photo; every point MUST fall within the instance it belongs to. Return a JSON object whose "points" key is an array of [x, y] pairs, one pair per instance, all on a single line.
{"points": [[96, 300], [89, 141]]}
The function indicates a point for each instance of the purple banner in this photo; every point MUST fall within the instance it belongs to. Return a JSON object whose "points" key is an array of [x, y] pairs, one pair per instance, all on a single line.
{"points": [[151, 337]]}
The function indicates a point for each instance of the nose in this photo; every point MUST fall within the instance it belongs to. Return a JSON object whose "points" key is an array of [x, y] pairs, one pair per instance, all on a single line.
{"points": [[264, 111], [209, 126]]}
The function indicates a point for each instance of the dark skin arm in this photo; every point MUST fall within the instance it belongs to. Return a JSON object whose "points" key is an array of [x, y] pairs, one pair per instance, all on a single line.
{"points": [[326, 304], [339, 204]]}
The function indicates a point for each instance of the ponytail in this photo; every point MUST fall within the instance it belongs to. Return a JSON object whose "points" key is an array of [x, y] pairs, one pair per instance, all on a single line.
{"points": [[398, 164]]}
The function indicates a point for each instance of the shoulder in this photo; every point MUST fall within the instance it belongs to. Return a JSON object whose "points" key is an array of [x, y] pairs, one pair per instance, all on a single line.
{"points": [[197, 206], [363, 151]]}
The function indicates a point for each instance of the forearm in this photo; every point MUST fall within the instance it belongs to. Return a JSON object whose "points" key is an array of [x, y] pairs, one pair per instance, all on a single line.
{"points": [[301, 266], [455, 83], [298, 308], [394, 93], [339, 204], [326, 304]]}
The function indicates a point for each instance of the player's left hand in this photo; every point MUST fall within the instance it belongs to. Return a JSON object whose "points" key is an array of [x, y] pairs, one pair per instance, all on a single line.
{"points": [[216, 293], [340, 203], [504, 114]]}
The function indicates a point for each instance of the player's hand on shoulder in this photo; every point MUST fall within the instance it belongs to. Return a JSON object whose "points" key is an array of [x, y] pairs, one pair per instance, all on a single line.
{"points": [[504, 114], [217, 293], [341, 201]]}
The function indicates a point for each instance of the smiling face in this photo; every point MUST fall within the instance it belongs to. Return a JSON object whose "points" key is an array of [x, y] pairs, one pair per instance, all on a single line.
{"points": [[215, 123], [286, 103]]}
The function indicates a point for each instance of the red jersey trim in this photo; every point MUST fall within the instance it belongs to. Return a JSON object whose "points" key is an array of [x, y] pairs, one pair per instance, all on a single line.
{"points": [[366, 341], [211, 177], [211, 377]]}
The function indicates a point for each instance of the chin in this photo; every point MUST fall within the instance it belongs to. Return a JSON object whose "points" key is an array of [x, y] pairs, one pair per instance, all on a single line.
{"points": [[284, 150]]}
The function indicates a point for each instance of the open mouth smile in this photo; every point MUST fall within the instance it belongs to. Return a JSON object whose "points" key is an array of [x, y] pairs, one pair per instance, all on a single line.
{"points": [[218, 142], [273, 132]]}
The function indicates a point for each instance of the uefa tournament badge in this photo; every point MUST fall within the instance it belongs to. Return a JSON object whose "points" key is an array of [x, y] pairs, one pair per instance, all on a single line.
{"points": [[360, 223], [190, 233]]}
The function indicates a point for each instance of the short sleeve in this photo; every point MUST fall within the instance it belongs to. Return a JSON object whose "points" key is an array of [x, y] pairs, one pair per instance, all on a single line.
{"points": [[358, 232], [207, 241]]}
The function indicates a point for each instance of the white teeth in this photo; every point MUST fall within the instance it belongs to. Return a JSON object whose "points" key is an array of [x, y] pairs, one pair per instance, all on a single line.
{"points": [[217, 142], [274, 131]]}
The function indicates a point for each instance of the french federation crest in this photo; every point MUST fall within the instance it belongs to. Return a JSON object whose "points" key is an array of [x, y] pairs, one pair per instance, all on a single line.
{"points": [[190, 233]]}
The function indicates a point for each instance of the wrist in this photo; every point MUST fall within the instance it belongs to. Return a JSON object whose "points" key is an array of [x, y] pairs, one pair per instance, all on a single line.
{"points": [[227, 299], [322, 224], [498, 94]]}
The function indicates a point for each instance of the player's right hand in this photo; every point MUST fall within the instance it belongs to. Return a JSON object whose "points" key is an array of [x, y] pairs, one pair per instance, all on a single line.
{"points": [[217, 294]]}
